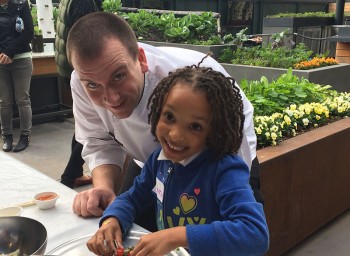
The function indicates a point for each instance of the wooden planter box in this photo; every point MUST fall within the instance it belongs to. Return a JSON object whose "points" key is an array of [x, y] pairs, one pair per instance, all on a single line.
{"points": [[336, 75], [305, 182], [215, 49]]}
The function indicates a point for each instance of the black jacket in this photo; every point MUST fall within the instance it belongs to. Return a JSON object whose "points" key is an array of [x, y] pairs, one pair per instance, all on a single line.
{"points": [[11, 41]]}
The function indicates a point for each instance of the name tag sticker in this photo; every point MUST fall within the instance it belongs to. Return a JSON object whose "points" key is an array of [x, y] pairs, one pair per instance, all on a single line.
{"points": [[159, 189]]}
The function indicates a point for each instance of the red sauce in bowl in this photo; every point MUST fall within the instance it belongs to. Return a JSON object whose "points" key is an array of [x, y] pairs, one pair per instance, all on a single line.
{"points": [[44, 198]]}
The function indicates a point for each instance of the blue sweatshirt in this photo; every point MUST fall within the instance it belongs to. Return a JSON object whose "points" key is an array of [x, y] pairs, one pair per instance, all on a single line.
{"points": [[213, 199]]}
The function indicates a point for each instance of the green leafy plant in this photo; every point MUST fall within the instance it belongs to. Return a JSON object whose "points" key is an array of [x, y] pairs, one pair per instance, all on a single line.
{"points": [[37, 31], [274, 96], [279, 57], [34, 13], [112, 6], [190, 29]]}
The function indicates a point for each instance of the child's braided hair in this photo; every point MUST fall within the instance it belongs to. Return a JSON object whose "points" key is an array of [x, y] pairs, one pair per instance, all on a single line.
{"points": [[224, 99]]}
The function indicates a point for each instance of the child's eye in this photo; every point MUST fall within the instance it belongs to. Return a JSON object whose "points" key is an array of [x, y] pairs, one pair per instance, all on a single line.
{"points": [[168, 116], [196, 127]]}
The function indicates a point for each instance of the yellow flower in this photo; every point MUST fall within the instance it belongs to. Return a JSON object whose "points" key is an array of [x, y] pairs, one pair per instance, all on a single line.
{"points": [[274, 128], [287, 120], [273, 136], [306, 121], [258, 130]]}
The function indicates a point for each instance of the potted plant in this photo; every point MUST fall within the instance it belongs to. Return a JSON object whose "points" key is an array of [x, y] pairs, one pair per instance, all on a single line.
{"points": [[304, 177], [273, 60], [193, 30], [37, 41]]}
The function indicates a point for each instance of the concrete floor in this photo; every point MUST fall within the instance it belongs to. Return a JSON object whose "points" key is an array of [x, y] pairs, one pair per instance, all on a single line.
{"points": [[49, 151]]}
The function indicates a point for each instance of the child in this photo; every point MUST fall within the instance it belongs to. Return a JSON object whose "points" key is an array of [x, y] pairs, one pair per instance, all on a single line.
{"points": [[203, 198]]}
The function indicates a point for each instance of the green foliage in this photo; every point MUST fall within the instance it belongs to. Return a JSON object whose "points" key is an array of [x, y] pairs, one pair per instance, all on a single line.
{"points": [[34, 12], [111, 5], [191, 28], [55, 15], [270, 97], [272, 55], [281, 57], [305, 14]]}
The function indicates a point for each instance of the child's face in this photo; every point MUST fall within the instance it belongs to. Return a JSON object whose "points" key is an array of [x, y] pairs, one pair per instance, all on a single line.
{"points": [[185, 122]]}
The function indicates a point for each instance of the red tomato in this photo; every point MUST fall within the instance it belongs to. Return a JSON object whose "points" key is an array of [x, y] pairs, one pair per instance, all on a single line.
{"points": [[120, 252]]}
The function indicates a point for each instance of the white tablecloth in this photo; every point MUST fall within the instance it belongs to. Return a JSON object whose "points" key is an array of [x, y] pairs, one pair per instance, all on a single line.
{"points": [[19, 183]]}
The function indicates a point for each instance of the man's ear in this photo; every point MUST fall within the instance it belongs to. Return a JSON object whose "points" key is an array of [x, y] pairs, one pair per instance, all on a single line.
{"points": [[143, 61]]}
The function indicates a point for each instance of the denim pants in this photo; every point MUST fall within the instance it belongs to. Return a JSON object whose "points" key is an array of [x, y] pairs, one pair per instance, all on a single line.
{"points": [[15, 83]]}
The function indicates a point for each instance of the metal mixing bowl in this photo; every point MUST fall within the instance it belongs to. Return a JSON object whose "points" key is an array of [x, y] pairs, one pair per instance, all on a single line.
{"points": [[22, 236]]}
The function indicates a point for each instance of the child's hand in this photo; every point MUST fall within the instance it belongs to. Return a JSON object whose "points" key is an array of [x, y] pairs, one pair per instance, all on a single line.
{"points": [[160, 243], [107, 239]]}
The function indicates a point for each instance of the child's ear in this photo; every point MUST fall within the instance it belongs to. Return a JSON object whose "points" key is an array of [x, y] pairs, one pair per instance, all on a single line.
{"points": [[143, 61]]}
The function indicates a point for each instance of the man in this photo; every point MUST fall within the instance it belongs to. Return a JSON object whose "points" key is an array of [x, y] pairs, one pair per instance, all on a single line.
{"points": [[113, 79]]}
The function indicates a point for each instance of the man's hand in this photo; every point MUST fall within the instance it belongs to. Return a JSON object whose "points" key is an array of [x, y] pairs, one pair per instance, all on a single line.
{"points": [[106, 180], [92, 202]]}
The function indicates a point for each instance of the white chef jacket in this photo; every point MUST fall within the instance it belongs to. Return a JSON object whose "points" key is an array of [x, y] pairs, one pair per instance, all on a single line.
{"points": [[94, 124]]}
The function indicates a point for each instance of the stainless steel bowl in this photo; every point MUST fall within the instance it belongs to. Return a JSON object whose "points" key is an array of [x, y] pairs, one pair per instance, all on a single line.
{"points": [[22, 236]]}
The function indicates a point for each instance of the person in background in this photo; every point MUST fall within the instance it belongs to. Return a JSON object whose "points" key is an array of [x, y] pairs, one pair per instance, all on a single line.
{"points": [[196, 180], [16, 66], [69, 11], [112, 80]]}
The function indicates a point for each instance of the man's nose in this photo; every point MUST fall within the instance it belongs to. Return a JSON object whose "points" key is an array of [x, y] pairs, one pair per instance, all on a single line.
{"points": [[111, 96]]}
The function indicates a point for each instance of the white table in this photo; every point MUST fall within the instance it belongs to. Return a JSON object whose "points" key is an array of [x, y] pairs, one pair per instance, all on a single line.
{"points": [[19, 183]]}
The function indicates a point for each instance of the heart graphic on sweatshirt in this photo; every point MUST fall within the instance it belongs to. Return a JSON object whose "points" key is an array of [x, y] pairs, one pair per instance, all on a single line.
{"points": [[176, 211], [197, 191], [187, 203]]}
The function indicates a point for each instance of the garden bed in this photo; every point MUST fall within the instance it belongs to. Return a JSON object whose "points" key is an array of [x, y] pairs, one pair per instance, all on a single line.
{"points": [[305, 183], [335, 75]]}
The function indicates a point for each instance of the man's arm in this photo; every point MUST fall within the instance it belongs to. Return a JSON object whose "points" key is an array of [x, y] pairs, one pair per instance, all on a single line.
{"points": [[106, 180], [104, 156]]}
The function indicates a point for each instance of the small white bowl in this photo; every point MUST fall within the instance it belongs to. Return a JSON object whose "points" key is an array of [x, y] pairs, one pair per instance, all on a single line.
{"points": [[11, 211], [46, 200]]}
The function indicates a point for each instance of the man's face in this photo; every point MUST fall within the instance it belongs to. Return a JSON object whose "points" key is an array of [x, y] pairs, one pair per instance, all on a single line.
{"points": [[113, 80]]}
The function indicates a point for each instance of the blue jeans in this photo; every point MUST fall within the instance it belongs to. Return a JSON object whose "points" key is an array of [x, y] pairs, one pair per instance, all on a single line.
{"points": [[15, 82]]}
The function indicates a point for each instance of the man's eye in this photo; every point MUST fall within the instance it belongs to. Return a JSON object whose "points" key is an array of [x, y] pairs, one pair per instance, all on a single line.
{"points": [[196, 127], [119, 77], [92, 85]]}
